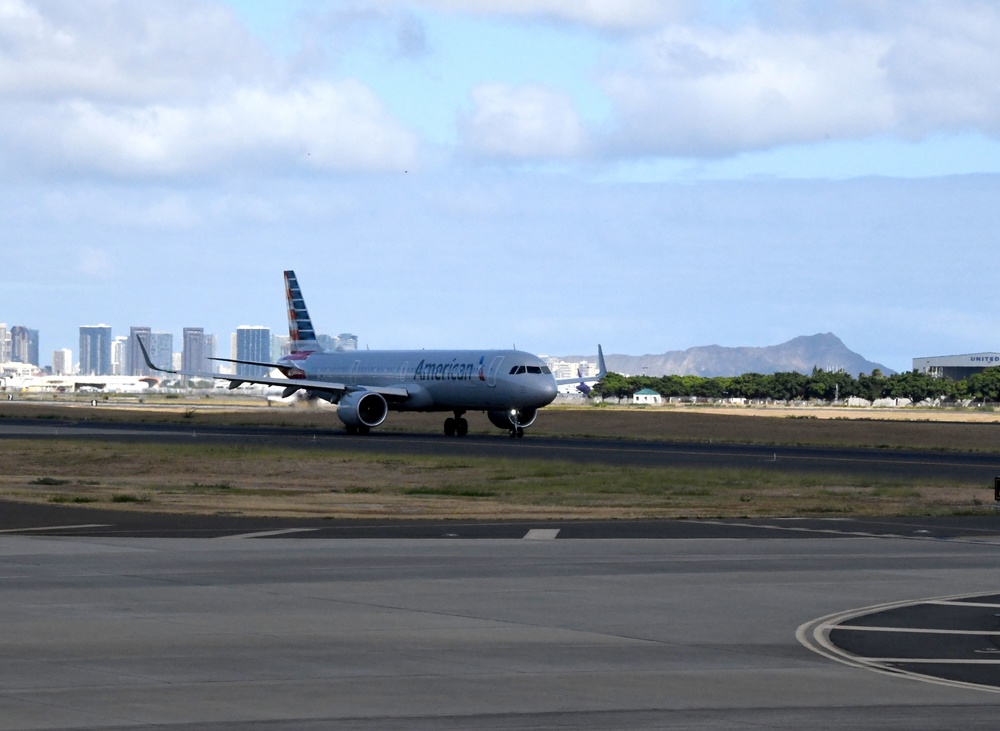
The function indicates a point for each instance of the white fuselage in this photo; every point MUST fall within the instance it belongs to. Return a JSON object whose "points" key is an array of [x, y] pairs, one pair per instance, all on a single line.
{"points": [[436, 380]]}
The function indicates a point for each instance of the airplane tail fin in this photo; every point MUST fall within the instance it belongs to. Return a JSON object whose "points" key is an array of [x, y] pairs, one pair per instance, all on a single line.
{"points": [[300, 328], [582, 382]]}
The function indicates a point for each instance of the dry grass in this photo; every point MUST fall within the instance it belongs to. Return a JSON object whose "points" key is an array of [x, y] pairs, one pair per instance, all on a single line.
{"points": [[330, 483]]}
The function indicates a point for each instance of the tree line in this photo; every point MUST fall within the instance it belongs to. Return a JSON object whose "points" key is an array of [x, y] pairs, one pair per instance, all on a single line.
{"points": [[820, 385]]}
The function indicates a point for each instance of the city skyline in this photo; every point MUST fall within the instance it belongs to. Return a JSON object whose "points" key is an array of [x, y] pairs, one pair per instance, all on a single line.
{"points": [[101, 352]]}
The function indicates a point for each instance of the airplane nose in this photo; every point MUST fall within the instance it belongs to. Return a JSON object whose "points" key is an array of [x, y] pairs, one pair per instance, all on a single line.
{"points": [[548, 390]]}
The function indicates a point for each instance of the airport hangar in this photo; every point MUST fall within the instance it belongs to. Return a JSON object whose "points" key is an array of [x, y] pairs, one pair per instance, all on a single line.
{"points": [[956, 367]]}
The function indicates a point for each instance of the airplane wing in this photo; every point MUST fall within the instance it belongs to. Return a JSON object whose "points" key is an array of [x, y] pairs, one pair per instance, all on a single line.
{"points": [[291, 385], [602, 371]]}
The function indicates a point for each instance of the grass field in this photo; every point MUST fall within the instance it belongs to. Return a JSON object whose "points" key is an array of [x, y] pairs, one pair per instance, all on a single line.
{"points": [[331, 483]]}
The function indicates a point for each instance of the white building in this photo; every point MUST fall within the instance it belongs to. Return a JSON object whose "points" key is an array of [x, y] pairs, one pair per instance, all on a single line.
{"points": [[647, 396], [62, 362], [119, 355], [571, 369]]}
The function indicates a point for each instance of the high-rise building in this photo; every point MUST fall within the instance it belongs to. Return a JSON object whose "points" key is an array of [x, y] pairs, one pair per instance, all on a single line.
{"points": [[23, 345], [193, 359], [211, 351], [18, 352], [4, 343], [161, 350], [95, 350], [136, 364], [253, 342], [62, 362], [119, 355], [347, 341]]}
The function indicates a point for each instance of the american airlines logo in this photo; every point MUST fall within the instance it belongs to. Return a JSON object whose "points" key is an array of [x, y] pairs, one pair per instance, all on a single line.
{"points": [[453, 371]]}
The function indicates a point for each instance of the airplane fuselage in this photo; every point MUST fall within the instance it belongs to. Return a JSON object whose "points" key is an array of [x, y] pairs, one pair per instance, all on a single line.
{"points": [[436, 380]]}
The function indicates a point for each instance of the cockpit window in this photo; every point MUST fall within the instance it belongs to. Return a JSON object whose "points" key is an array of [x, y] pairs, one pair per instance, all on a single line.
{"points": [[520, 369]]}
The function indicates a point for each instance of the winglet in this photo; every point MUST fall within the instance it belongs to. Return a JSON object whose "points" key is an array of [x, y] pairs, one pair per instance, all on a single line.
{"points": [[149, 361]]}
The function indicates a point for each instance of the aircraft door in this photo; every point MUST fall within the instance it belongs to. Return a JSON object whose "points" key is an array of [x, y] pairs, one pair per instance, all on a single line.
{"points": [[491, 374], [354, 372]]}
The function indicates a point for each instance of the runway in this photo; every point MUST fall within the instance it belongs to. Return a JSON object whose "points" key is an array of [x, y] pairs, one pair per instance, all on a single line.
{"points": [[280, 633], [139, 621]]}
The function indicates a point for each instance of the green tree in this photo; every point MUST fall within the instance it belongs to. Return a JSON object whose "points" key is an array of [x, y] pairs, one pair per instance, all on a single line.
{"points": [[615, 384], [983, 386], [787, 386]]}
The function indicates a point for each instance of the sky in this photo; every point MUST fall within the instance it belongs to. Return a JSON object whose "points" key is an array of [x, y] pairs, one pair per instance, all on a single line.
{"points": [[650, 175]]}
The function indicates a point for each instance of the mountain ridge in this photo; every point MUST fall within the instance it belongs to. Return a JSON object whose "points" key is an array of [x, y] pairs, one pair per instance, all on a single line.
{"points": [[800, 354]]}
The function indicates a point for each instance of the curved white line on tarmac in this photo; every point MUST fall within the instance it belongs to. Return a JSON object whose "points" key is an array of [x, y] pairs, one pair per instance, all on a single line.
{"points": [[815, 635]]}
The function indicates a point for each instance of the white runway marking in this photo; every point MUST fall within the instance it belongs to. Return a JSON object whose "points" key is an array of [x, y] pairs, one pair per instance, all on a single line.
{"points": [[815, 635], [56, 527], [541, 534], [268, 533]]}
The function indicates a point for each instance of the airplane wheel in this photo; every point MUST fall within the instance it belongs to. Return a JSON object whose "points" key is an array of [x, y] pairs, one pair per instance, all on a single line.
{"points": [[449, 427], [351, 429], [364, 430], [461, 427]]}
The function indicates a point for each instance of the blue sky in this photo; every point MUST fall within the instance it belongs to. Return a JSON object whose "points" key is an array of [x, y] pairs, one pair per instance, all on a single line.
{"points": [[648, 174]]}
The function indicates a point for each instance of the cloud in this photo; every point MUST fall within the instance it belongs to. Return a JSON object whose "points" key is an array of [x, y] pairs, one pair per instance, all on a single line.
{"points": [[119, 51], [853, 72], [713, 93], [616, 15], [153, 90], [521, 122], [94, 263]]}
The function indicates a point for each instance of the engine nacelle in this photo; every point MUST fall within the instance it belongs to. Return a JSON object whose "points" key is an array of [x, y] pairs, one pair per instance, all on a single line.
{"points": [[512, 418], [362, 408]]}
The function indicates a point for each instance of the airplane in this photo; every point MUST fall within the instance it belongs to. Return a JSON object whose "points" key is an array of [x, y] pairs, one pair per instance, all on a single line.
{"points": [[509, 385]]}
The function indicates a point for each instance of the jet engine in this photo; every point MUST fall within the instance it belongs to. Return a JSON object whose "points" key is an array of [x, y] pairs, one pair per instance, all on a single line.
{"points": [[512, 418], [362, 409]]}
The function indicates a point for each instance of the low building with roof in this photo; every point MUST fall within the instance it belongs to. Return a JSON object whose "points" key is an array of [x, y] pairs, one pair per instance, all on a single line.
{"points": [[956, 367], [647, 396]]}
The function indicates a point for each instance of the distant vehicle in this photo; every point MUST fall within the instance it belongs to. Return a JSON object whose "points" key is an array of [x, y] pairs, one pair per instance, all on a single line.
{"points": [[509, 385]]}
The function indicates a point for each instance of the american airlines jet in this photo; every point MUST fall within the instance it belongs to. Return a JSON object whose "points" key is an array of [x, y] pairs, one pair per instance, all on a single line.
{"points": [[509, 385]]}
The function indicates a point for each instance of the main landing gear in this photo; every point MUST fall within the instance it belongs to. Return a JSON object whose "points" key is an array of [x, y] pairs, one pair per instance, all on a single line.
{"points": [[456, 426]]}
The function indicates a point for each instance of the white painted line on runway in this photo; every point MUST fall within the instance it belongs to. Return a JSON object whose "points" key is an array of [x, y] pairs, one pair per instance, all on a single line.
{"points": [[915, 630], [929, 661], [541, 534], [815, 636], [268, 533], [56, 527], [946, 603]]}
